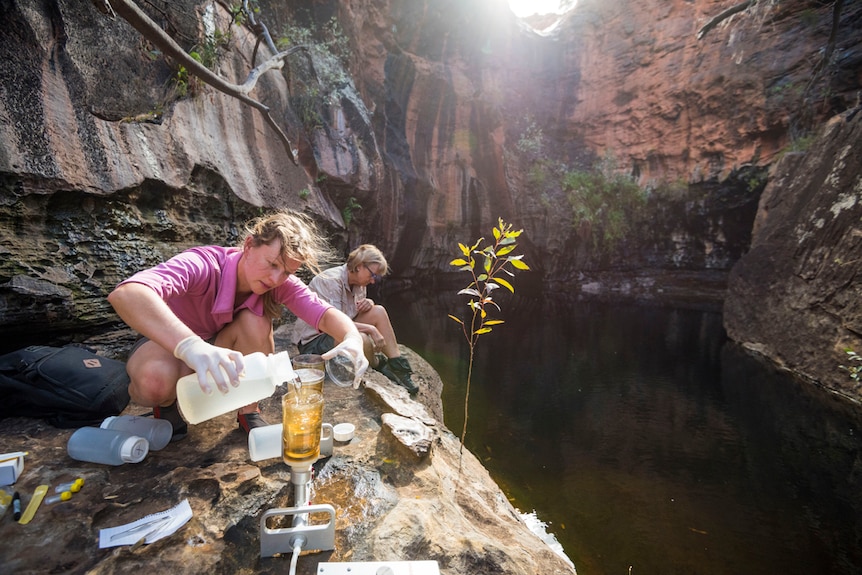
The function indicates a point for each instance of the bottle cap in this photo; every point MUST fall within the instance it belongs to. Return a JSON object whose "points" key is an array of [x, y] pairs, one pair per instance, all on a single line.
{"points": [[340, 371], [134, 449], [107, 423], [343, 431]]}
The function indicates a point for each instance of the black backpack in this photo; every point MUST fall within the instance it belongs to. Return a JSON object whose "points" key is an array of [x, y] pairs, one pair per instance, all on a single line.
{"points": [[68, 386]]}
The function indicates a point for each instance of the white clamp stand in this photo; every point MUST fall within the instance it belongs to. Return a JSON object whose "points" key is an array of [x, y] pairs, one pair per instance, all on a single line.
{"points": [[284, 540], [301, 536]]}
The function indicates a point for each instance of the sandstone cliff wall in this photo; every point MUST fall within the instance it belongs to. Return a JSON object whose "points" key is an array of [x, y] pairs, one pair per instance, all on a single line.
{"points": [[796, 296], [416, 124]]}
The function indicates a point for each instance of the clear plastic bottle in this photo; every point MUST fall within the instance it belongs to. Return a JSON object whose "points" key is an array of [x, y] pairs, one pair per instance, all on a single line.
{"points": [[107, 446], [262, 374], [157, 432]]}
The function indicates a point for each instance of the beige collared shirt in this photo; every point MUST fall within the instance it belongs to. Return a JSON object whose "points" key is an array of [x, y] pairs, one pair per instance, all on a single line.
{"points": [[331, 286]]}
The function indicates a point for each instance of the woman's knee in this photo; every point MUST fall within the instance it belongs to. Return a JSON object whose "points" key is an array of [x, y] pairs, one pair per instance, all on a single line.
{"points": [[153, 385], [246, 333], [153, 374], [376, 316]]}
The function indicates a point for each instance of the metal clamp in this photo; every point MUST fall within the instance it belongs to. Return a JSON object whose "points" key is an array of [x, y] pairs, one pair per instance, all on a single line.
{"points": [[312, 537]]}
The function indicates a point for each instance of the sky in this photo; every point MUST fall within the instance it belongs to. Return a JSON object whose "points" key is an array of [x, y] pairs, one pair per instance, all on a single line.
{"points": [[523, 8]]}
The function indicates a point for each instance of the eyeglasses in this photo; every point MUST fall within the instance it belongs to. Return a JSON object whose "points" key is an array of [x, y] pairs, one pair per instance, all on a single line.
{"points": [[374, 276]]}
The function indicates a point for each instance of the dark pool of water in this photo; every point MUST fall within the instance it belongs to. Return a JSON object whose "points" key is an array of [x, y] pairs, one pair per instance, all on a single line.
{"points": [[647, 442]]}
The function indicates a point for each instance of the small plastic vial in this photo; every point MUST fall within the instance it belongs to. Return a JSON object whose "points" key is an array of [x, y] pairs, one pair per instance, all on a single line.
{"points": [[57, 498], [157, 432], [72, 486], [107, 446]]}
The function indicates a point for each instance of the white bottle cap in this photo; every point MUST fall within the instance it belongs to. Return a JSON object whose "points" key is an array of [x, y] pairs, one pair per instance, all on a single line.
{"points": [[134, 449], [343, 431], [107, 423]]}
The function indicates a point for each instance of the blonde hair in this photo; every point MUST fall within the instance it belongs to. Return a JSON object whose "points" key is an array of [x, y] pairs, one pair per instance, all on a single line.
{"points": [[300, 240], [367, 254]]}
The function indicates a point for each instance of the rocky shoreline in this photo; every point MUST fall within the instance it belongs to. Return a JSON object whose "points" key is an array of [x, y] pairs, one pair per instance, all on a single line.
{"points": [[396, 498]]}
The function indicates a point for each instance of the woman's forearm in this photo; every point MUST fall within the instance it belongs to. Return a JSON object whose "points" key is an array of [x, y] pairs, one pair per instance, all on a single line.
{"points": [[145, 312]]}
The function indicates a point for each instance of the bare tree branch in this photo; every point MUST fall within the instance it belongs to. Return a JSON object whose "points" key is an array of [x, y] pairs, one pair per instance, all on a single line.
{"points": [[715, 21], [152, 32], [836, 23]]}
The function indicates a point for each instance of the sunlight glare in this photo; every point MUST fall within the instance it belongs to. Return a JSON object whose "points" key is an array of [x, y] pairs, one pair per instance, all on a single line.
{"points": [[524, 8]]}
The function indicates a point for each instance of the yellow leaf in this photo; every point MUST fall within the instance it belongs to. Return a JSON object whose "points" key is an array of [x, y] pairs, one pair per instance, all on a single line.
{"points": [[464, 249], [458, 262], [505, 284], [494, 322], [482, 330], [506, 249], [519, 264], [456, 319]]}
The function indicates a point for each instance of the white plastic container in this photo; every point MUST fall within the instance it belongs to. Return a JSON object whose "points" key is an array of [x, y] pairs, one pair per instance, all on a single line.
{"points": [[262, 374], [108, 446], [157, 432], [265, 442]]}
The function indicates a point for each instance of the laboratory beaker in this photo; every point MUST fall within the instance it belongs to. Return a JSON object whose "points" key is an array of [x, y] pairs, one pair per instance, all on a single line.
{"points": [[303, 418]]}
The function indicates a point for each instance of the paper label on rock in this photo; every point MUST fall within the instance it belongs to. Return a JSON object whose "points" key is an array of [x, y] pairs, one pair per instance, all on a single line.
{"points": [[150, 528]]}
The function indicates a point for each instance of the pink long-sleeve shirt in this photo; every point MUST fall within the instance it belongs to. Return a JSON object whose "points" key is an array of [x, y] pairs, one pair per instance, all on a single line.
{"points": [[199, 286]]}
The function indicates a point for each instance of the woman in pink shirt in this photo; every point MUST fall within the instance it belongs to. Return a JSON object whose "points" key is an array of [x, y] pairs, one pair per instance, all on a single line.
{"points": [[205, 308]]}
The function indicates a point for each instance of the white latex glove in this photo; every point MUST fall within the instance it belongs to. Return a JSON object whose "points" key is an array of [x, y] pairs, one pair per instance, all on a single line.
{"points": [[351, 348], [223, 364]]}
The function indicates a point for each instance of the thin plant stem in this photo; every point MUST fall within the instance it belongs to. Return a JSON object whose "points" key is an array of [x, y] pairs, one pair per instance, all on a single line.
{"points": [[495, 259]]}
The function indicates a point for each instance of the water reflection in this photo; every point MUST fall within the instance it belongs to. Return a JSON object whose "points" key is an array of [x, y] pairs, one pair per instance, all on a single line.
{"points": [[645, 440]]}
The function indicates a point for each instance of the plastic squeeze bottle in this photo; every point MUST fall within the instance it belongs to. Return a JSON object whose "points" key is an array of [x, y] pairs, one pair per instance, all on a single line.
{"points": [[157, 432], [107, 446], [262, 374]]}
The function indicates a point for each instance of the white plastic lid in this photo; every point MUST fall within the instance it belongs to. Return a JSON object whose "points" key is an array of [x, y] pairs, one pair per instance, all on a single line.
{"points": [[134, 449], [343, 431], [107, 423]]}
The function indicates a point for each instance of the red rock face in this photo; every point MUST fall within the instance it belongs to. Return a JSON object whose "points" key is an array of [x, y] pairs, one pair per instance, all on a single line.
{"points": [[454, 86], [674, 106]]}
